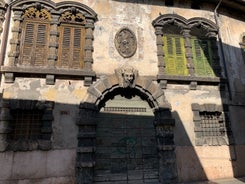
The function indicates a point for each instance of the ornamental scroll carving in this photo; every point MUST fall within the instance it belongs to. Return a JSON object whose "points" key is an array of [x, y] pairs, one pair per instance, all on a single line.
{"points": [[125, 42], [126, 76]]}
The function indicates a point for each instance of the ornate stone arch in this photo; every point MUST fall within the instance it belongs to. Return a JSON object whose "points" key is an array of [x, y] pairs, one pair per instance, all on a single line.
{"points": [[170, 19], [85, 10], [163, 122], [206, 24]]}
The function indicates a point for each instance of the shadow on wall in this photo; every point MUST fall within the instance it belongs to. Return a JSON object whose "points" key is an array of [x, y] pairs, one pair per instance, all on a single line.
{"points": [[225, 7]]}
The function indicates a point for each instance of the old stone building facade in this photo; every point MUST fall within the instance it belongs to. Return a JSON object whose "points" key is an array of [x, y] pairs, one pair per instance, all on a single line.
{"points": [[121, 91]]}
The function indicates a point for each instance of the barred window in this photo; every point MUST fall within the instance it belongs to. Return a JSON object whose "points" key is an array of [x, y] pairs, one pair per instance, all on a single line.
{"points": [[26, 124], [211, 125]]}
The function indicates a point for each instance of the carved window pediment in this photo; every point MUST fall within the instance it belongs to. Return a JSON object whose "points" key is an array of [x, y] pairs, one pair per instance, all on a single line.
{"points": [[36, 14]]}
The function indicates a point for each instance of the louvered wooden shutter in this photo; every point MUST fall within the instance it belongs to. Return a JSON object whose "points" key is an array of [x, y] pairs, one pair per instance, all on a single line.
{"points": [[175, 60], [41, 45], [71, 49], [34, 44], [27, 50], [202, 57]]}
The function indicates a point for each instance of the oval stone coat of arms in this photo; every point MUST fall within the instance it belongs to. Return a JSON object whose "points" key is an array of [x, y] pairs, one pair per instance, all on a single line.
{"points": [[125, 42]]}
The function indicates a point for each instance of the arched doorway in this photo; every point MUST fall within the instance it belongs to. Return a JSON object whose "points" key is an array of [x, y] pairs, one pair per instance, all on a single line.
{"points": [[126, 147], [113, 131]]}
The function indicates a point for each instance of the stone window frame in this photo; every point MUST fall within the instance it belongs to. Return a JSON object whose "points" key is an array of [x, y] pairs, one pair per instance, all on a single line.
{"points": [[223, 125], [186, 26], [11, 70], [43, 143], [3, 9]]}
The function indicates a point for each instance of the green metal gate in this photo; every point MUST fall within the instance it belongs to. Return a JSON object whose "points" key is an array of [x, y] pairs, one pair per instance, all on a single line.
{"points": [[126, 150]]}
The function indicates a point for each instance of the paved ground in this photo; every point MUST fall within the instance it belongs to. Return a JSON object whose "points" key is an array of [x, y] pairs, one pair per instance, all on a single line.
{"points": [[222, 181]]}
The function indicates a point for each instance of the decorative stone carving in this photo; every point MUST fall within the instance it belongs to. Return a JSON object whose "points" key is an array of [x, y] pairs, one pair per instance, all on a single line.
{"points": [[125, 42], [126, 76]]}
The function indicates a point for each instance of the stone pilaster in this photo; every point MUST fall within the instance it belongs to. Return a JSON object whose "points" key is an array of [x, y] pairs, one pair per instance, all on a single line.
{"points": [[88, 49], [53, 41], [5, 117], [14, 42], [85, 160], [188, 49], [160, 52], [164, 124]]}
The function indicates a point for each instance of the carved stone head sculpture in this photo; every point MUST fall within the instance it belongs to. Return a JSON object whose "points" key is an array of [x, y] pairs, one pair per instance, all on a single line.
{"points": [[126, 76]]}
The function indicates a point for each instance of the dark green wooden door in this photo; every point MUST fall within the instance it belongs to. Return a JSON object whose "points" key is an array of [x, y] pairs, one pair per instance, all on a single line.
{"points": [[126, 149]]}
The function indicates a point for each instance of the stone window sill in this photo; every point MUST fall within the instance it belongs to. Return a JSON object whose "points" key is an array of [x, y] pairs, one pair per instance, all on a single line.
{"points": [[193, 81], [11, 72]]}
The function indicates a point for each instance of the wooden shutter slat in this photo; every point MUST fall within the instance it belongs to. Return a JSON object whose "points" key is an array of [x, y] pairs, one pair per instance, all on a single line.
{"points": [[27, 47], [29, 33], [71, 50], [77, 50], [40, 50], [65, 47]]}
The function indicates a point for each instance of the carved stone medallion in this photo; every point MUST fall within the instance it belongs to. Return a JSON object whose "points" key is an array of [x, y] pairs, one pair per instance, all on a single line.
{"points": [[125, 42]]}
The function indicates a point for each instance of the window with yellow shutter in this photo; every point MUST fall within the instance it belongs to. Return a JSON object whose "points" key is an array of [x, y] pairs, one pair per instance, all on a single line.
{"points": [[174, 55]]}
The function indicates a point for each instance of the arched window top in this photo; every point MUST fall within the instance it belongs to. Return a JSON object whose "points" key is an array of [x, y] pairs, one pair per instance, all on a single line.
{"points": [[25, 4], [196, 25], [72, 16], [78, 8], [36, 13], [170, 19], [58, 8], [201, 27]]}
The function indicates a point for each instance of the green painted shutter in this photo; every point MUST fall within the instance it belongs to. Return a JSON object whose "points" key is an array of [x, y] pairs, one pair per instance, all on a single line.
{"points": [[202, 57], [71, 51], [175, 60]]}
